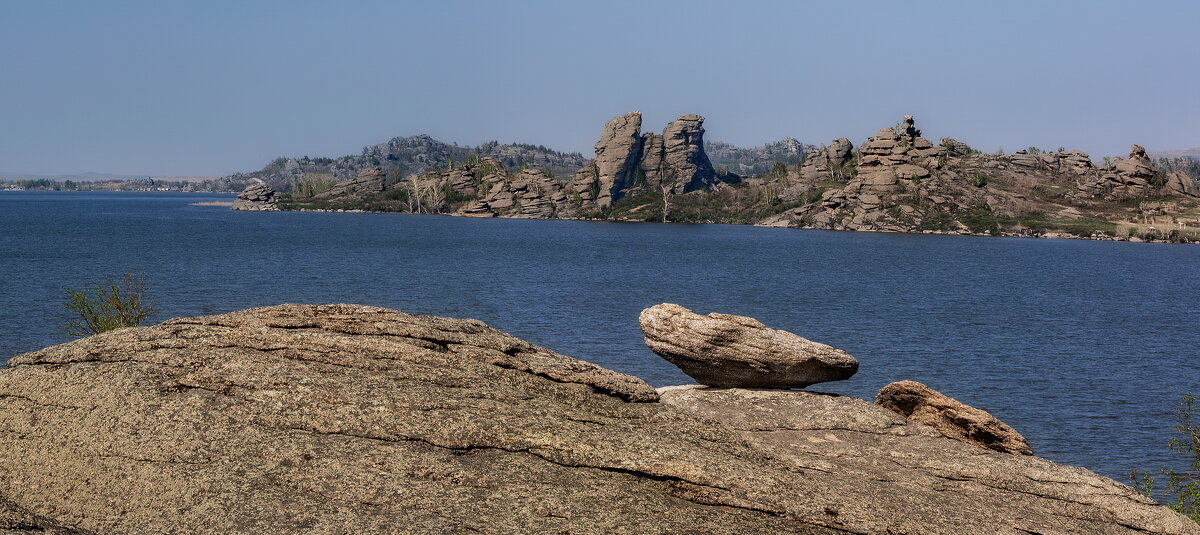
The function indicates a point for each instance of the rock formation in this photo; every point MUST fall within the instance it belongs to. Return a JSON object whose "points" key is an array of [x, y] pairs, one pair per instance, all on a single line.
{"points": [[1178, 183], [618, 154], [369, 180], [351, 419], [828, 163], [951, 417], [896, 154], [1125, 178], [626, 159], [736, 351], [257, 197], [677, 159], [527, 194], [911, 467]]}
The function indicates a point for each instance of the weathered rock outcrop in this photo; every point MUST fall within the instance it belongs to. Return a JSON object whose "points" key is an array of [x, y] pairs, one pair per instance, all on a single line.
{"points": [[677, 159], [618, 154], [896, 154], [1179, 183], [951, 417], [625, 159], [736, 351], [351, 419], [498, 192], [369, 180], [1124, 178], [257, 197], [828, 163], [928, 483]]}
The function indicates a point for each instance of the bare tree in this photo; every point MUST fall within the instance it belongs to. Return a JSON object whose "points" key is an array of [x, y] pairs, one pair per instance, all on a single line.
{"points": [[666, 198]]}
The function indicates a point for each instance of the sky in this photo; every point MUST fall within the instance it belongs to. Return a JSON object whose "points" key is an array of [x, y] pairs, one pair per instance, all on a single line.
{"points": [[206, 88]]}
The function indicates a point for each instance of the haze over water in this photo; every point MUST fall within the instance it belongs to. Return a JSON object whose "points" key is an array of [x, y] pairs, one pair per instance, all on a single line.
{"points": [[1084, 347]]}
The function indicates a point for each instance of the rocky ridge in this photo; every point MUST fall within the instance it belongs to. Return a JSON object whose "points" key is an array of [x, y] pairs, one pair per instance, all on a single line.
{"points": [[405, 156], [899, 181], [344, 418], [896, 181]]}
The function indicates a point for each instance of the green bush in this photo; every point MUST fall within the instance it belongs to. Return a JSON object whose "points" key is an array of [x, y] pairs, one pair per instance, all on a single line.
{"points": [[112, 303], [1182, 489]]}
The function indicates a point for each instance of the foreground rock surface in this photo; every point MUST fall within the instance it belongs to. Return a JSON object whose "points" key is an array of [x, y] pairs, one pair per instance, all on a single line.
{"points": [[351, 419], [951, 417], [736, 351], [925, 482]]}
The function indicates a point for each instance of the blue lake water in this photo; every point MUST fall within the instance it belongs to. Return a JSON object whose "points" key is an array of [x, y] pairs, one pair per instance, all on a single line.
{"points": [[1084, 347]]}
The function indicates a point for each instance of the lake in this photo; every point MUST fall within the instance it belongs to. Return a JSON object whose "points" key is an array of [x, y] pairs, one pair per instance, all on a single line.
{"points": [[1084, 347]]}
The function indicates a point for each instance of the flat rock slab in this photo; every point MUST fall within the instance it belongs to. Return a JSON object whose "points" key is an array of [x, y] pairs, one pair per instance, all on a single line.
{"points": [[736, 351], [951, 418], [927, 482], [351, 419]]}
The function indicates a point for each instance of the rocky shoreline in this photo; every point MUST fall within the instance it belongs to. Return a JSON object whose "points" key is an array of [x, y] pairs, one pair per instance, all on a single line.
{"points": [[346, 418], [896, 181]]}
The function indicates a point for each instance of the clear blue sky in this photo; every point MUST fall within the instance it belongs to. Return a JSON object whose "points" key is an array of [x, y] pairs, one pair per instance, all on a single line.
{"points": [[213, 87]]}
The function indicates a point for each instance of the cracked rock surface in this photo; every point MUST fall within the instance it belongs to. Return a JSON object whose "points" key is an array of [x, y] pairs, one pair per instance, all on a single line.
{"points": [[352, 419], [950, 417]]}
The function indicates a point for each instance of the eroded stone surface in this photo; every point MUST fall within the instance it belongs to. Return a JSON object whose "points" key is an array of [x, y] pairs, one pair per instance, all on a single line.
{"points": [[730, 351], [927, 482], [351, 419], [951, 417], [257, 197]]}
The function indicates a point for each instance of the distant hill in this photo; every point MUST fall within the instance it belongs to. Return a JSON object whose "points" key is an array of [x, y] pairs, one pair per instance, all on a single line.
{"points": [[755, 160], [1193, 153], [90, 176], [403, 156]]}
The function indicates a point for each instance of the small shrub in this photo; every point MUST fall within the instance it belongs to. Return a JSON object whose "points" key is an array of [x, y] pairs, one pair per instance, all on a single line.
{"points": [[979, 180], [1182, 489], [113, 303]]}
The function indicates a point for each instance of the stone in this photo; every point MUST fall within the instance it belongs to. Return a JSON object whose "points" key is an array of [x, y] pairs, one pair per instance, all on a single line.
{"points": [[911, 172], [927, 482], [682, 165], [369, 180], [736, 351], [954, 147], [1179, 183], [618, 153], [951, 417], [257, 197]]}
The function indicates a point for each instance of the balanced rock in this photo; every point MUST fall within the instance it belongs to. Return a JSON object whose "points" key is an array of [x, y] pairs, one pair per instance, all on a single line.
{"points": [[735, 351], [951, 417], [257, 197]]}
